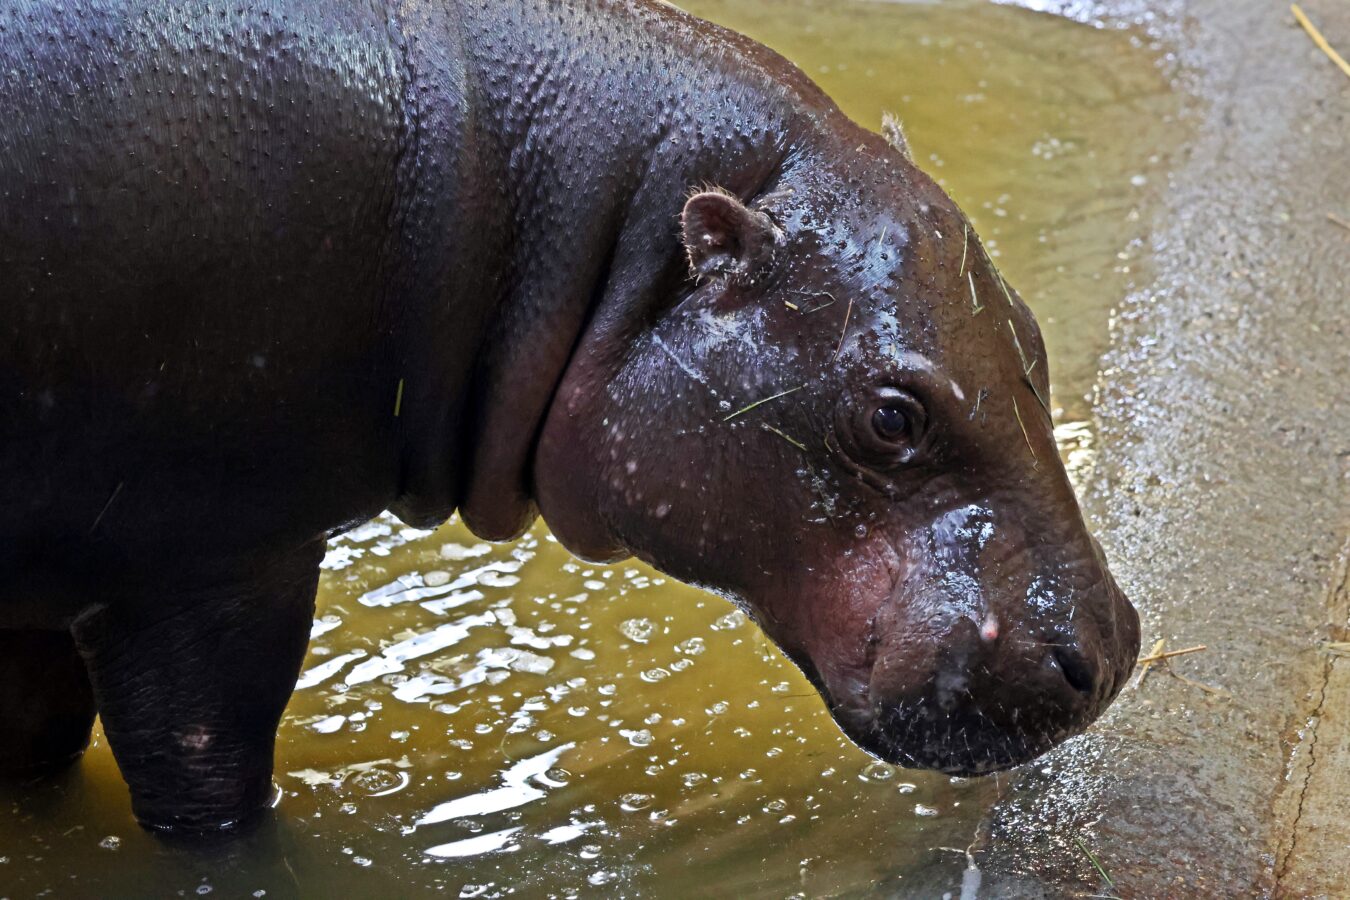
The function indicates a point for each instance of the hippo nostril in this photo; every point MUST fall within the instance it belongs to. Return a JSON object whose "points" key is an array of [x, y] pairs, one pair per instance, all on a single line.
{"points": [[1075, 669]]}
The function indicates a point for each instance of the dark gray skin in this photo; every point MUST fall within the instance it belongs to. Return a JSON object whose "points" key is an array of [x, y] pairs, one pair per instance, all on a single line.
{"points": [[268, 269]]}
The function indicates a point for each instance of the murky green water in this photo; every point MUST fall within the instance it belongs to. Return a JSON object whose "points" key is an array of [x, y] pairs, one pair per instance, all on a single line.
{"points": [[485, 720]]}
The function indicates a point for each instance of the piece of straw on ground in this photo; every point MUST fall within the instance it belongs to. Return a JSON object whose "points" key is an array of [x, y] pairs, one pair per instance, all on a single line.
{"points": [[1320, 41], [1148, 663]]}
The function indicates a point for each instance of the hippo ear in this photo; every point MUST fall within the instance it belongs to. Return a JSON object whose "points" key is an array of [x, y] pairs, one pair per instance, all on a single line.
{"points": [[724, 237]]}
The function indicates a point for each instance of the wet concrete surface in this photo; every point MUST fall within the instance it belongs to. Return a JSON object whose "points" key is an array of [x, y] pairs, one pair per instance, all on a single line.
{"points": [[1221, 495]]}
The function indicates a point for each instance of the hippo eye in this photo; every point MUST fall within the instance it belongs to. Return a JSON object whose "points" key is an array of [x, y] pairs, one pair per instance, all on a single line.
{"points": [[891, 422], [881, 428]]}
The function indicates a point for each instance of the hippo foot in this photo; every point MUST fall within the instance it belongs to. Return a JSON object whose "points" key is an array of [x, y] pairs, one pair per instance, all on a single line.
{"points": [[46, 703], [202, 819], [191, 690]]}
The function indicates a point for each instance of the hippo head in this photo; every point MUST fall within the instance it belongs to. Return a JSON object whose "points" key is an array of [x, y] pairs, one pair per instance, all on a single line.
{"points": [[840, 423]]}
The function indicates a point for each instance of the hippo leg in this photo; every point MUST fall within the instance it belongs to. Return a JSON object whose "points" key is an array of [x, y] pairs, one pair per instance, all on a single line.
{"points": [[46, 704], [191, 685]]}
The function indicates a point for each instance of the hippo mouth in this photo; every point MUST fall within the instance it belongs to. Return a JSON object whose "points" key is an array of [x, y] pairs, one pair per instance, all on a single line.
{"points": [[976, 718], [965, 741]]}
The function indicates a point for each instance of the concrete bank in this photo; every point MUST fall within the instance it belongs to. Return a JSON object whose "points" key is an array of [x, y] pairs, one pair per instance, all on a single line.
{"points": [[1221, 494]]}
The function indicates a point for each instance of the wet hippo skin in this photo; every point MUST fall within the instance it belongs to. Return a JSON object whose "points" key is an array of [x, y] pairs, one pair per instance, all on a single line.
{"points": [[271, 268]]}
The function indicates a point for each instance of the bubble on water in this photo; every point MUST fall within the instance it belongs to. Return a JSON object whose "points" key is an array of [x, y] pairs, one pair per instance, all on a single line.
{"points": [[692, 647], [589, 851], [111, 842], [781, 687], [639, 737], [775, 806], [583, 653], [377, 782], [361, 861], [925, 811], [577, 712], [906, 787], [651, 676], [734, 619], [693, 779], [634, 802], [639, 630], [607, 689], [878, 771], [593, 585], [204, 889], [557, 777], [601, 877], [681, 664], [717, 708], [437, 578]]}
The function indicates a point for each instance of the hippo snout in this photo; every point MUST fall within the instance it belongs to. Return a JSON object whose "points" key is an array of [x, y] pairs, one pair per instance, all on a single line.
{"points": [[967, 696]]}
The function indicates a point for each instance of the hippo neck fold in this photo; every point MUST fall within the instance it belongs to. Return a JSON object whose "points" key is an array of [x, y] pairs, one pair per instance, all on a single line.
{"points": [[591, 123]]}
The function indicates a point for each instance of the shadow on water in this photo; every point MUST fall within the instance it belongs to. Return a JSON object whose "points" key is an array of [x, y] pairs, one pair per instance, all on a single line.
{"points": [[484, 718]]}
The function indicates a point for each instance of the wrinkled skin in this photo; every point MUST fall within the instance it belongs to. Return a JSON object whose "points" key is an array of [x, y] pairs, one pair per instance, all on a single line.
{"points": [[269, 272]]}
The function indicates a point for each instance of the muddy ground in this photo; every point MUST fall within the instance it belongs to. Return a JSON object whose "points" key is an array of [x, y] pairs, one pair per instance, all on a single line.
{"points": [[1221, 494]]}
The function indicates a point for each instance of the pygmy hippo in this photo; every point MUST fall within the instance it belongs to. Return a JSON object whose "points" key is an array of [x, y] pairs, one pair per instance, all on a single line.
{"points": [[269, 268]]}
